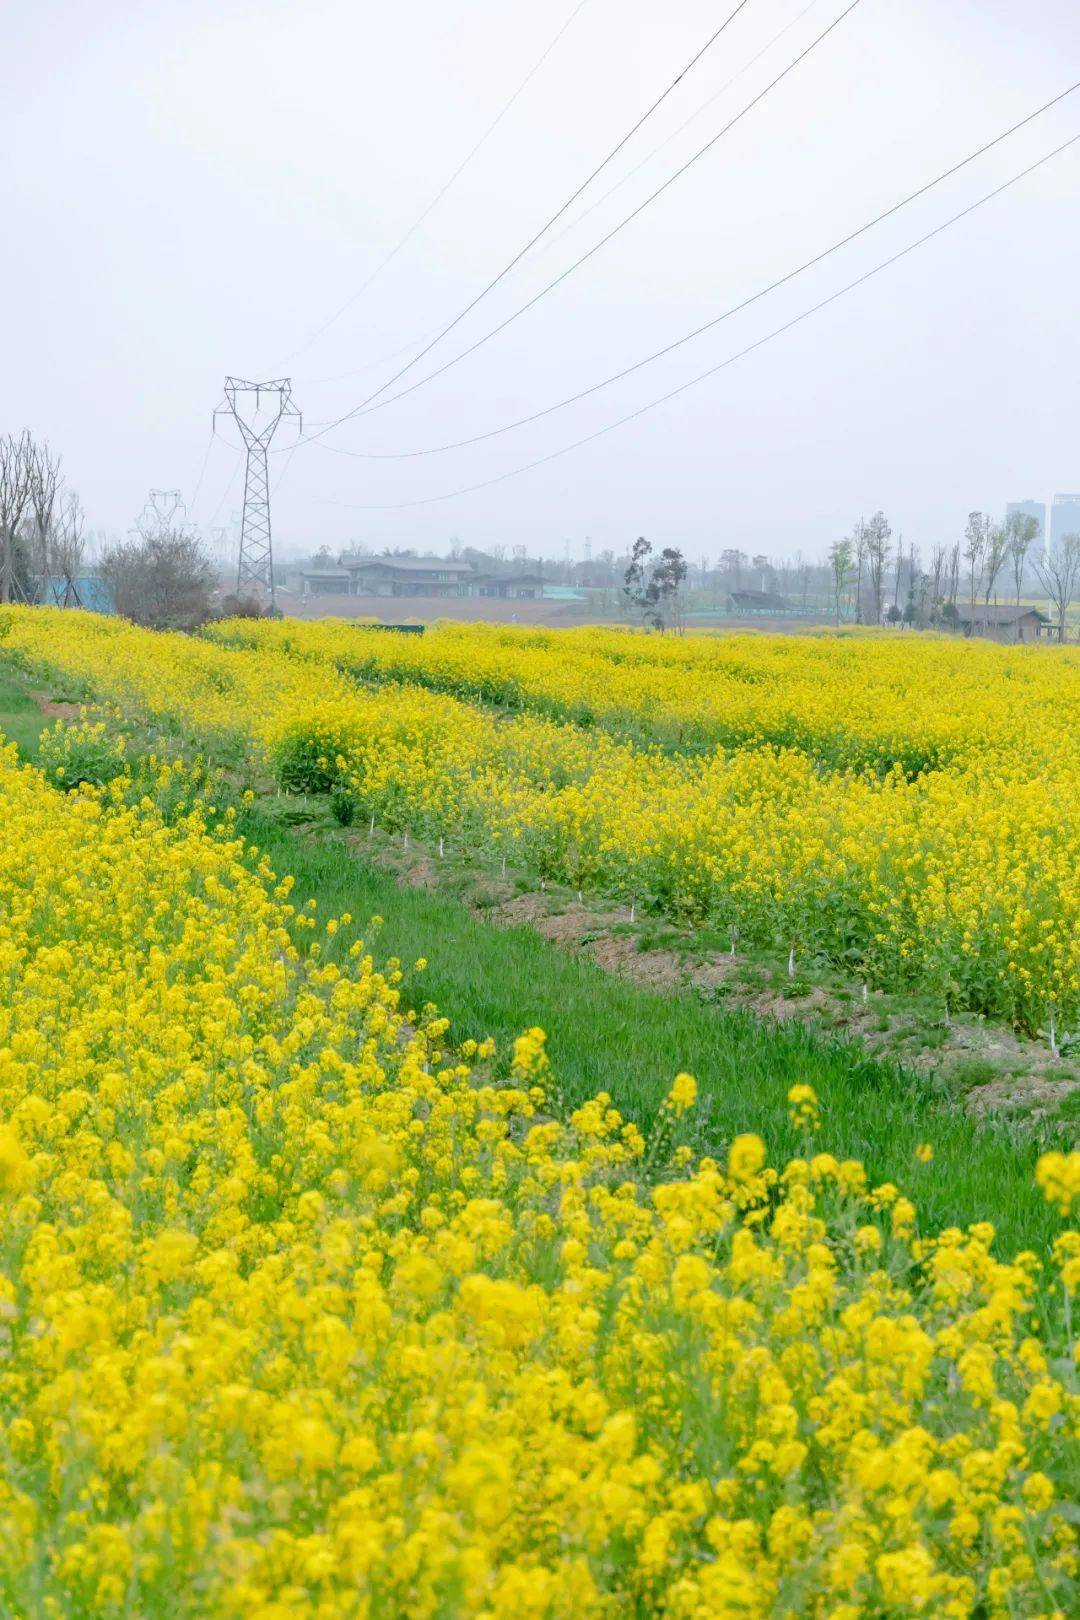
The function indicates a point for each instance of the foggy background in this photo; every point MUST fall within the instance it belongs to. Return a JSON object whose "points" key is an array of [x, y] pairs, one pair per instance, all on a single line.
{"points": [[194, 188]]}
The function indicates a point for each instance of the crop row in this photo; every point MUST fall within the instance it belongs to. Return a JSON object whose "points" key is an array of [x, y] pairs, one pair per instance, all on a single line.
{"points": [[962, 883], [851, 702], [300, 1314]]}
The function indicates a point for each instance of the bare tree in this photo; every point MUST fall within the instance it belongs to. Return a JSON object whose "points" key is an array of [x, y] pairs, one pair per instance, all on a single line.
{"points": [[765, 572], [996, 552], [918, 589], [45, 486], [877, 536], [841, 560], [937, 575], [16, 485], [974, 547], [859, 542], [899, 568], [1023, 531], [67, 546], [1059, 574], [164, 581], [732, 562], [954, 573]]}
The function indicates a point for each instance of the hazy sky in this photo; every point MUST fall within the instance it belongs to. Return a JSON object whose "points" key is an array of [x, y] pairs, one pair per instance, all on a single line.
{"points": [[193, 187]]}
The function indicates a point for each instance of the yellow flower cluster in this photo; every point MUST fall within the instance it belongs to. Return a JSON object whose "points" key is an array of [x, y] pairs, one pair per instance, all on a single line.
{"points": [[961, 881], [849, 701], [301, 1315]]}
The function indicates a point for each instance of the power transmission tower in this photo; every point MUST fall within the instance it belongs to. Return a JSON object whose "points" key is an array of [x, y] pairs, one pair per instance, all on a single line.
{"points": [[255, 567], [163, 514]]}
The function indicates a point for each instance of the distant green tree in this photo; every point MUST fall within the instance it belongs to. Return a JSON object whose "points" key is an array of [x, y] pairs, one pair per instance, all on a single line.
{"points": [[653, 588], [1022, 530]]}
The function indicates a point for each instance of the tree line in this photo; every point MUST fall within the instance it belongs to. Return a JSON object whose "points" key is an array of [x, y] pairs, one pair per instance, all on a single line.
{"points": [[988, 559], [161, 575], [42, 524]]}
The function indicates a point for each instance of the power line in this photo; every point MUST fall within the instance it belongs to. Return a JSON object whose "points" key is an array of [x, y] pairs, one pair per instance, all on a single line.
{"points": [[735, 309], [702, 376], [531, 243], [666, 142], [437, 199], [369, 404], [227, 491], [371, 365], [202, 469]]}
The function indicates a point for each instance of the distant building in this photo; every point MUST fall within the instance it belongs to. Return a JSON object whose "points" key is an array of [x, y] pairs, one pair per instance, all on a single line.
{"points": [[1001, 622], [517, 587], [768, 603], [407, 576], [1064, 517], [1033, 509], [324, 581]]}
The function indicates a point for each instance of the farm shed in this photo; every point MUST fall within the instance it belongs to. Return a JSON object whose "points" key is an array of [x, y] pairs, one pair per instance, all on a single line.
{"points": [[1002, 622]]}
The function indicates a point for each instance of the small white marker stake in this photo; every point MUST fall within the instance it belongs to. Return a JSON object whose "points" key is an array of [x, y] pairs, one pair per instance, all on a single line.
{"points": [[440, 849], [504, 866], [791, 963], [405, 840], [580, 898], [371, 829], [633, 909], [734, 937], [1053, 1037], [865, 996], [543, 885]]}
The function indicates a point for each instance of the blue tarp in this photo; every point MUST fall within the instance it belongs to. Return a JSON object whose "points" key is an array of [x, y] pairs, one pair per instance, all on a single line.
{"points": [[88, 591]]}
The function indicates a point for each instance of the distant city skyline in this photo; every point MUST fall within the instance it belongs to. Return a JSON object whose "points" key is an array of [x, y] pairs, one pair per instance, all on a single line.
{"points": [[1064, 517], [1029, 508]]}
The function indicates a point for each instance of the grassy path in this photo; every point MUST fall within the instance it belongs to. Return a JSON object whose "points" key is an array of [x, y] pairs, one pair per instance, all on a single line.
{"points": [[606, 1034]]}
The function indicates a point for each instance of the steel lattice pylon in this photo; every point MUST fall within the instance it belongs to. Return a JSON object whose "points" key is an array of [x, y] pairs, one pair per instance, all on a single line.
{"points": [[255, 567]]}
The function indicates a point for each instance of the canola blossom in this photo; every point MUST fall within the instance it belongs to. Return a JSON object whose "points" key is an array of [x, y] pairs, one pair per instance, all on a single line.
{"points": [[302, 1314], [962, 881], [848, 701]]}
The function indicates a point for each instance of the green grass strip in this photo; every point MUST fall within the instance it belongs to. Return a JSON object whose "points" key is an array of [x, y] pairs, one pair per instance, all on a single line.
{"points": [[606, 1034]]}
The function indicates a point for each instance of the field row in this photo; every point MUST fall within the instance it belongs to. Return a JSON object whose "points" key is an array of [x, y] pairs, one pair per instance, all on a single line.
{"points": [[961, 883], [301, 1314], [850, 702]]}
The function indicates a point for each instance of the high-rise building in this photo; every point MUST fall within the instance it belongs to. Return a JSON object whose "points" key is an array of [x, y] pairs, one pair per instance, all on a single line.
{"points": [[1035, 509], [1064, 517]]}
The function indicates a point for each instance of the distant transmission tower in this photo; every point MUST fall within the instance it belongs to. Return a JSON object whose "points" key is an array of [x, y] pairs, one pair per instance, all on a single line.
{"points": [[255, 568], [164, 513]]}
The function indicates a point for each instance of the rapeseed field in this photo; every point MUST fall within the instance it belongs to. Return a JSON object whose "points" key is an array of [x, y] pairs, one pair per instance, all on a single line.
{"points": [[905, 807], [303, 1314]]}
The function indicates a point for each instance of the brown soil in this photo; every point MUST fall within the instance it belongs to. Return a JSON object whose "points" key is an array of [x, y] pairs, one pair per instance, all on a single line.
{"points": [[1030, 1094], [52, 709], [993, 1067]]}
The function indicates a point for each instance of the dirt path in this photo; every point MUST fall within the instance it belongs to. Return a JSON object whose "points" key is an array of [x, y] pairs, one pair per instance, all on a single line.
{"points": [[988, 1065]]}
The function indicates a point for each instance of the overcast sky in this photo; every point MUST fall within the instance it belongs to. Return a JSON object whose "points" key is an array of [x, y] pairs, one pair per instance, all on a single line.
{"points": [[194, 187]]}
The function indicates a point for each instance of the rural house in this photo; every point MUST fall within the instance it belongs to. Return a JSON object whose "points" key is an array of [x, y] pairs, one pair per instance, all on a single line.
{"points": [[1003, 622], [755, 602], [406, 576], [518, 587]]}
